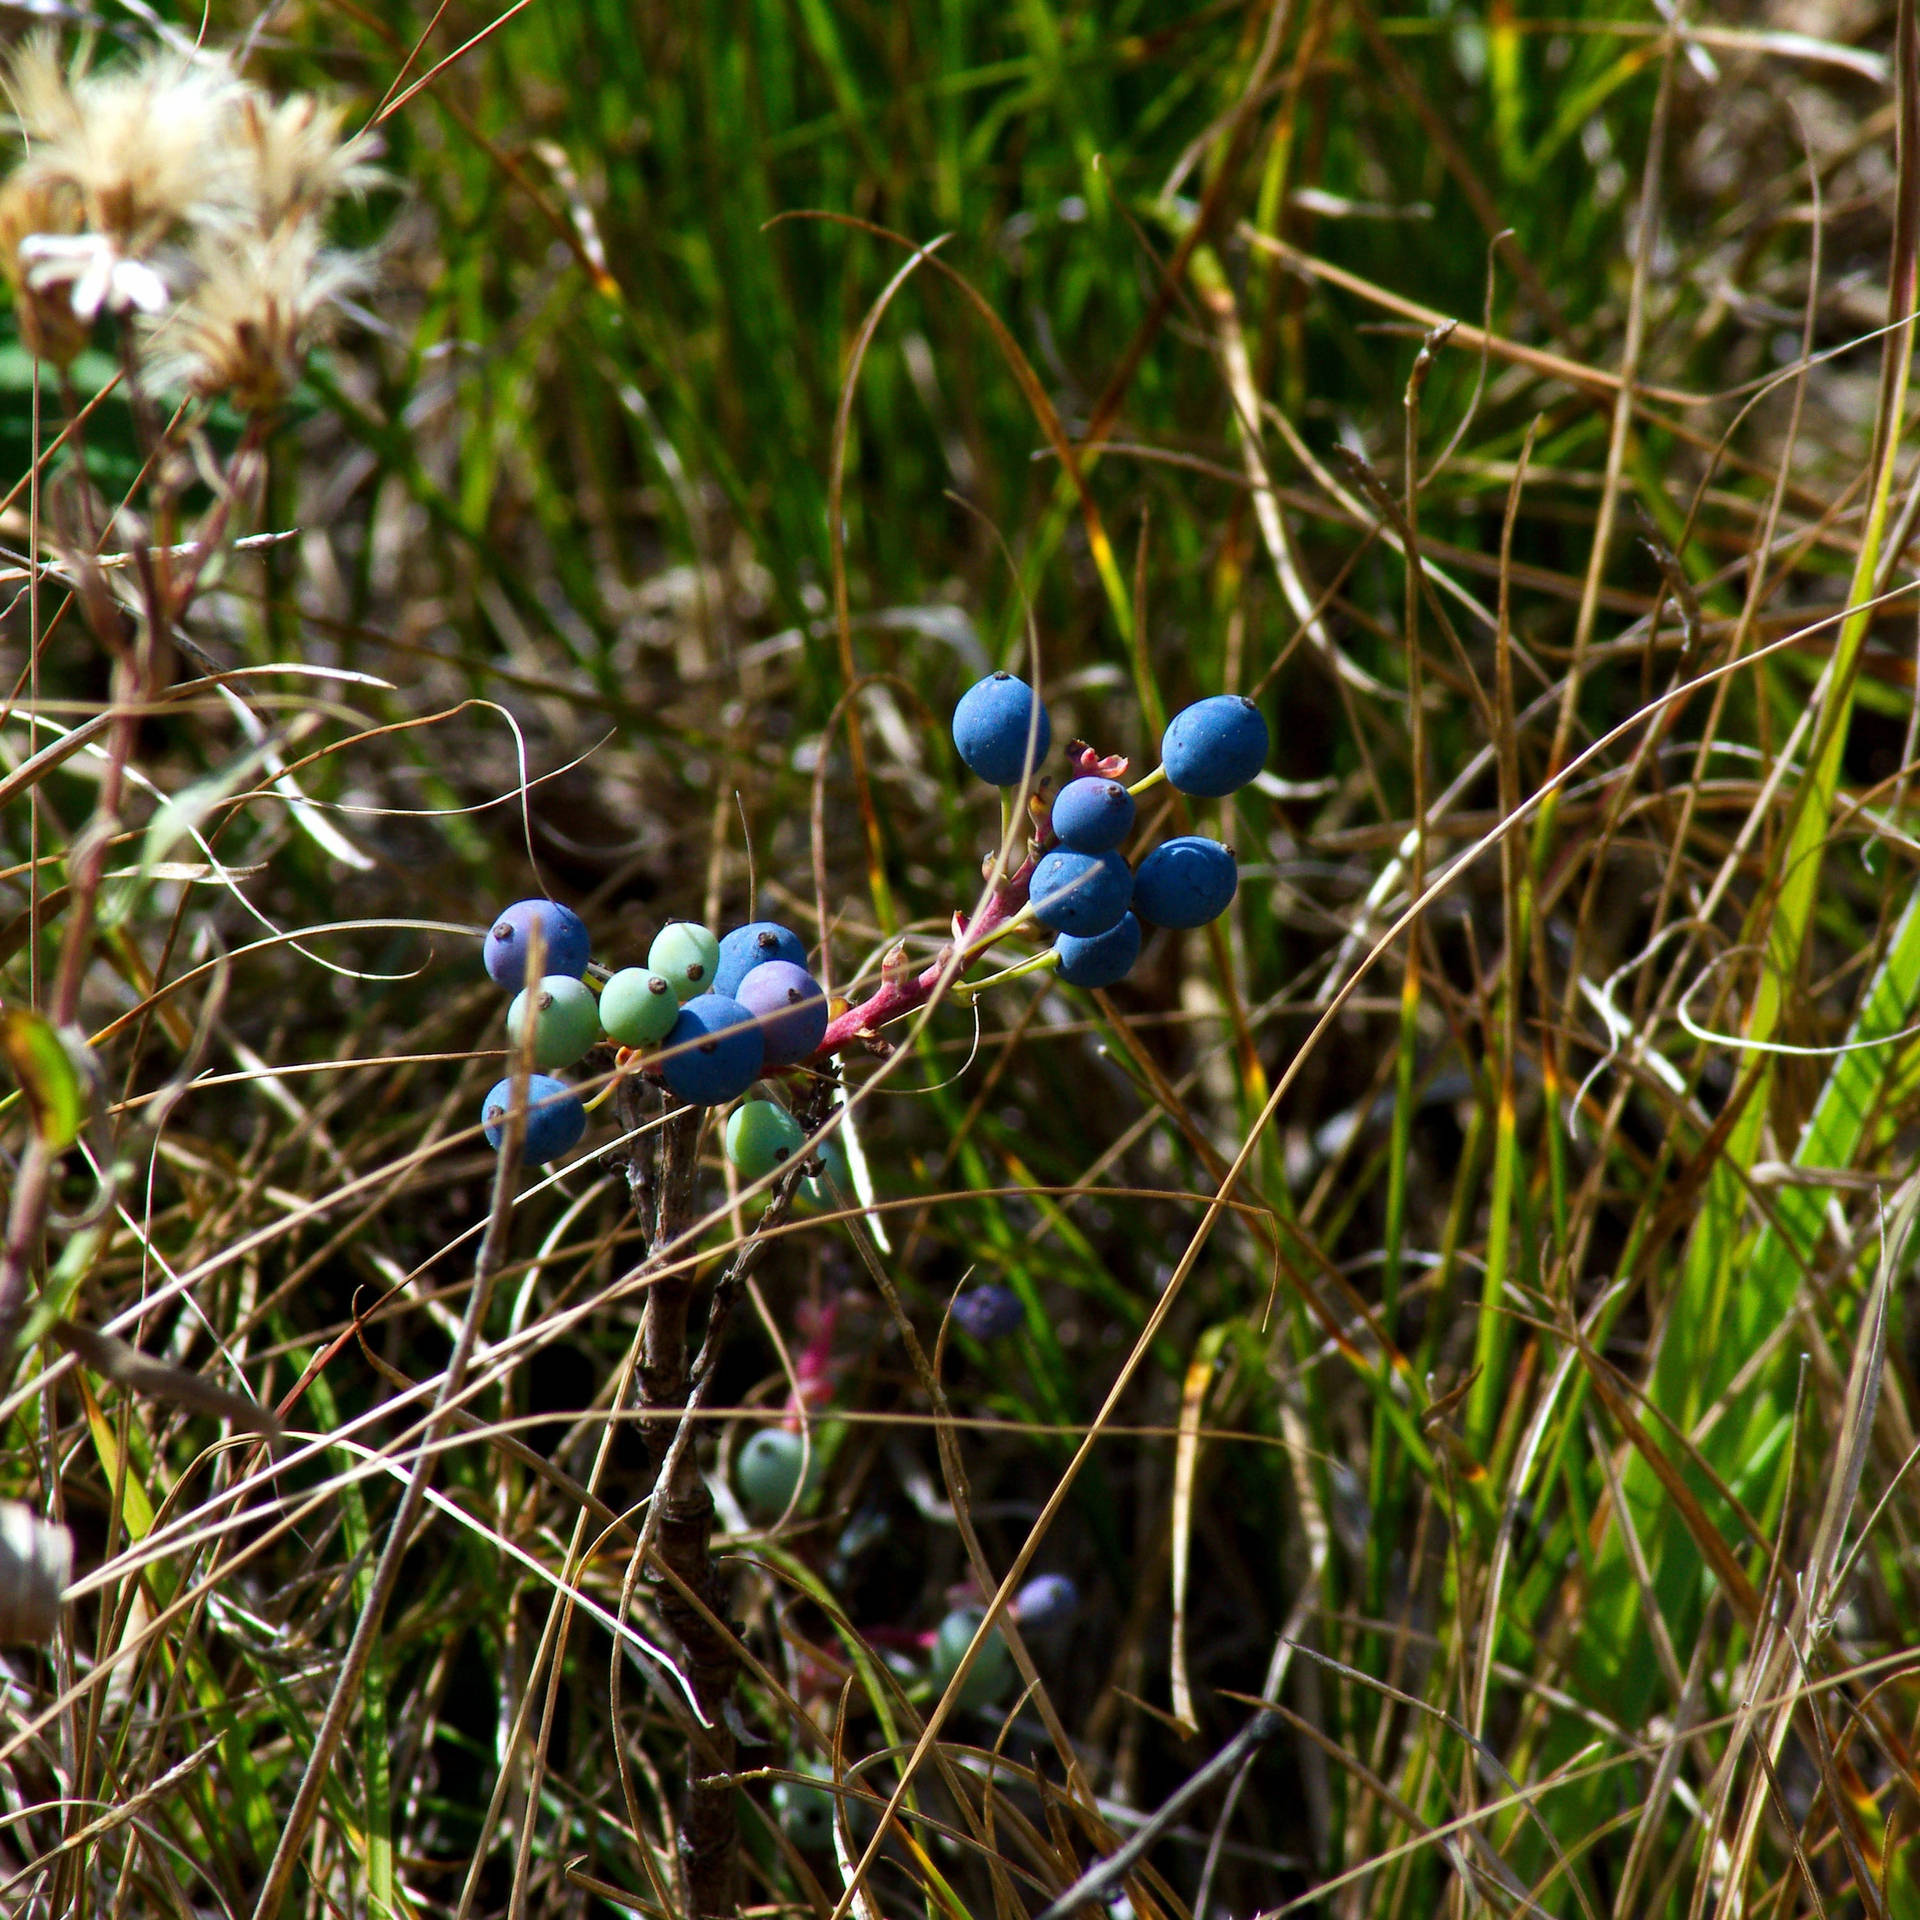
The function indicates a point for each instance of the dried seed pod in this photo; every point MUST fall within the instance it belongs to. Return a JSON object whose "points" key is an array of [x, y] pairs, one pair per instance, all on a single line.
{"points": [[36, 1561]]}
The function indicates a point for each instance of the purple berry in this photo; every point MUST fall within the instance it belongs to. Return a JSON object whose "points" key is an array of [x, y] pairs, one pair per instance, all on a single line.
{"points": [[556, 1119], [1216, 746], [1080, 893], [1185, 882], [989, 1311], [1092, 816], [753, 946], [713, 1052], [567, 949], [1048, 1601], [790, 1006], [1002, 731], [1104, 959]]}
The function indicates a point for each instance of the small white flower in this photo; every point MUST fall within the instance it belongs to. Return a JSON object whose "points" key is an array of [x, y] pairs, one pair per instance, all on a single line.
{"points": [[101, 276]]}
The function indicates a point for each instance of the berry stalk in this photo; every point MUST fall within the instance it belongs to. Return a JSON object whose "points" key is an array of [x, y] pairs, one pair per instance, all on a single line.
{"points": [[897, 996]]}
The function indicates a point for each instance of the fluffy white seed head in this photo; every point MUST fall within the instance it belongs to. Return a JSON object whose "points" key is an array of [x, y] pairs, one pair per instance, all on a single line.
{"points": [[148, 148], [257, 303], [172, 189]]}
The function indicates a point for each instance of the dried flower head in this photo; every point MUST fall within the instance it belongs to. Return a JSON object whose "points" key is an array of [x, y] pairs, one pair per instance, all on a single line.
{"points": [[35, 208], [258, 303], [170, 179], [294, 163], [148, 148]]}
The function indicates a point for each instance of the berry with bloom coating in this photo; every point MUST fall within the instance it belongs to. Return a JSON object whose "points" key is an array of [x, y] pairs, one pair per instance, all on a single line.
{"points": [[989, 1311], [555, 1118], [1092, 816], [1102, 960], [994, 725], [638, 1006], [712, 1052], [991, 1673], [687, 954], [1185, 882], [565, 948], [566, 1020], [790, 1007], [760, 1137], [767, 1471], [753, 946], [805, 1812], [1216, 746], [1048, 1601], [1080, 893]]}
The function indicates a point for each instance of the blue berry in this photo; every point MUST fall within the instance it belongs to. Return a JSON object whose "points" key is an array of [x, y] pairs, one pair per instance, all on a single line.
{"points": [[555, 1118], [1103, 959], [713, 1051], [1215, 746], [1185, 882], [566, 948], [566, 1019], [989, 1311], [760, 1137], [992, 1672], [687, 954], [752, 946], [788, 1003], [1048, 1601], [767, 1472], [1092, 815], [638, 1006], [1080, 893], [1002, 731]]}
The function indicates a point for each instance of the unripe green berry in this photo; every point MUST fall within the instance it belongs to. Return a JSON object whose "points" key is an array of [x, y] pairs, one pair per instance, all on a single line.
{"points": [[767, 1472], [638, 1007], [566, 1020], [805, 1812], [991, 1674], [688, 954], [760, 1137]]}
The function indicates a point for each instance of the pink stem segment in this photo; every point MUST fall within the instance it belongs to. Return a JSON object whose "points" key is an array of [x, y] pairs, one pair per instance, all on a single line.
{"points": [[896, 997]]}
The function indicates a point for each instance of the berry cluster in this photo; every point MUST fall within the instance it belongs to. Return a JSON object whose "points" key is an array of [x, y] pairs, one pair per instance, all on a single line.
{"points": [[706, 1017], [1081, 887]]}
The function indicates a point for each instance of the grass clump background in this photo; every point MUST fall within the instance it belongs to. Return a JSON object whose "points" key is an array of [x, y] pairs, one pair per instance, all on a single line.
{"points": [[1462, 1294]]}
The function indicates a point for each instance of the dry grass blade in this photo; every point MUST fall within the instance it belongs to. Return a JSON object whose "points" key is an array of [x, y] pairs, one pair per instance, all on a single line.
{"points": [[1447, 1306]]}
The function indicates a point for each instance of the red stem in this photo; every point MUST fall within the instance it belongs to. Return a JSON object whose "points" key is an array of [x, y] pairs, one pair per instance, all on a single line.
{"points": [[894, 999]]}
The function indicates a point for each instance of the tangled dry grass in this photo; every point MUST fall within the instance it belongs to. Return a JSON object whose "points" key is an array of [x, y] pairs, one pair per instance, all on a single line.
{"points": [[1463, 1365]]}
